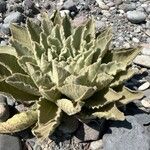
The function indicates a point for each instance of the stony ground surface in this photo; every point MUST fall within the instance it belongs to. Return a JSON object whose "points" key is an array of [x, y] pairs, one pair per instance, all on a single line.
{"points": [[130, 21]]}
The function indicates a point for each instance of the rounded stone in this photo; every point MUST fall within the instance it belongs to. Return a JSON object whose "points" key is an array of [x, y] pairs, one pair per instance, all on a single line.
{"points": [[144, 86], [136, 16], [145, 103], [14, 17]]}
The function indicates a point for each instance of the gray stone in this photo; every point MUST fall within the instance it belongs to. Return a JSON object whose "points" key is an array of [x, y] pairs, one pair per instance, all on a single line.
{"points": [[128, 7], [70, 5], [136, 16], [4, 109], [5, 29], [14, 17], [126, 135], [100, 25], [28, 4], [8, 142], [142, 60], [118, 2], [2, 6]]}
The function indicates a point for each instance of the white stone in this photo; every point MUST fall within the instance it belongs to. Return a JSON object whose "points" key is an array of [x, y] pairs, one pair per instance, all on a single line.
{"points": [[64, 12], [146, 51], [135, 40], [144, 86], [102, 5], [96, 145], [145, 103], [142, 60]]}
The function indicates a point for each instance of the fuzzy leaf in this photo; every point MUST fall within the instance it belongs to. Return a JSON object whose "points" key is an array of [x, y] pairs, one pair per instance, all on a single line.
{"points": [[69, 107], [58, 74], [67, 26], [77, 92], [129, 96], [8, 50], [51, 94], [109, 112], [102, 98], [19, 122], [26, 59], [24, 83], [10, 62], [16, 92], [24, 39], [34, 31], [46, 125], [4, 72], [122, 76], [21, 50]]}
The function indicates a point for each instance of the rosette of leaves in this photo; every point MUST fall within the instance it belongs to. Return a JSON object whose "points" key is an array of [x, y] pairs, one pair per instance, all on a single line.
{"points": [[64, 70]]}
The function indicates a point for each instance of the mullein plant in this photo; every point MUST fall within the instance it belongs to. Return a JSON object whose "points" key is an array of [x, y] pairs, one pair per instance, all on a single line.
{"points": [[64, 70]]}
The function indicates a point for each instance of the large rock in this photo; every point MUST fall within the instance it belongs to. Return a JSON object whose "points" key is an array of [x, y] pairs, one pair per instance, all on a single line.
{"points": [[8, 142], [136, 16], [127, 135]]}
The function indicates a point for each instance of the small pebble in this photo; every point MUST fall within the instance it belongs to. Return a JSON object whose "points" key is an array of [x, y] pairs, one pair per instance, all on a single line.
{"points": [[136, 16], [144, 86], [96, 145], [145, 103]]}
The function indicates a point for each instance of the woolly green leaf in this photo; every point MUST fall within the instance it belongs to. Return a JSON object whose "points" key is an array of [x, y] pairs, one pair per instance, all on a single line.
{"points": [[122, 76], [21, 35], [43, 41], [109, 112], [129, 96], [78, 37], [24, 83], [8, 50], [69, 107], [67, 26], [124, 56], [19, 122], [4, 72], [20, 50], [77, 92], [51, 94], [10, 62], [47, 124], [25, 59], [90, 30], [47, 24], [16, 92], [58, 74], [112, 68], [38, 51], [102, 98], [34, 31]]}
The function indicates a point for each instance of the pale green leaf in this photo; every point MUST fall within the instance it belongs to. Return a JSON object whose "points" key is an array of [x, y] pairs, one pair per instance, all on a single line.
{"points": [[19, 122]]}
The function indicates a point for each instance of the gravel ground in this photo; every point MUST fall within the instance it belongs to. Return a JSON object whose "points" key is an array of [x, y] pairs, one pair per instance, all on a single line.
{"points": [[130, 21]]}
